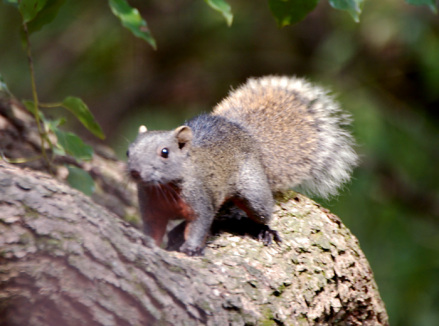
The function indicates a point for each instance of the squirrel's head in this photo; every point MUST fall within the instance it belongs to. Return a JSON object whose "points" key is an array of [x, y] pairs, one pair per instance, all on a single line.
{"points": [[158, 157]]}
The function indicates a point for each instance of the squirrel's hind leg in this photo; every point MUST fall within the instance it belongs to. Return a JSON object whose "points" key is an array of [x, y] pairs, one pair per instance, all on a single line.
{"points": [[254, 195], [256, 200]]}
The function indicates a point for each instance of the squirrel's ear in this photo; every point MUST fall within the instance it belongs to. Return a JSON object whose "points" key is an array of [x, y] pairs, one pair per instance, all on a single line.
{"points": [[142, 129], [183, 135]]}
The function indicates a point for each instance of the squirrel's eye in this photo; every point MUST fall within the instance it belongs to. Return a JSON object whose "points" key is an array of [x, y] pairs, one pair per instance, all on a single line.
{"points": [[128, 153], [164, 152]]}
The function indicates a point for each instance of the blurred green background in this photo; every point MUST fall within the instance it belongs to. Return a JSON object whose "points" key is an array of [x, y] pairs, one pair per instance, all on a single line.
{"points": [[384, 69]]}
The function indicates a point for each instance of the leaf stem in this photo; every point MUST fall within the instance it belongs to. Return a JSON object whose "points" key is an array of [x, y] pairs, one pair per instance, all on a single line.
{"points": [[41, 131], [50, 105]]}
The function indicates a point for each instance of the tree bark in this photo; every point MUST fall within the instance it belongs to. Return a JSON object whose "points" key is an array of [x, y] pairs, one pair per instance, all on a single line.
{"points": [[68, 261]]}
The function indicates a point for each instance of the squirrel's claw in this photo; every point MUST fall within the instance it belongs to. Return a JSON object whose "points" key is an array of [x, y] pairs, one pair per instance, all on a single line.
{"points": [[267, 236], [198, 251]]}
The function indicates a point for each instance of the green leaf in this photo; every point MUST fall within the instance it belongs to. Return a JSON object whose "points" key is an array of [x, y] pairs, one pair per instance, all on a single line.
{"points": [[45, 16], [81, 111], [223, 7], [430, 3], [288, 12], [81, 180], [131, 19], [30, 106], [30, 8], [52, 125], [353, 7], [73, 145]]}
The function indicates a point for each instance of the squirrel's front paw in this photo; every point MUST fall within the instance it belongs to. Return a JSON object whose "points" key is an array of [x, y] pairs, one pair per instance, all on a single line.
{"points": [[188, 250]]}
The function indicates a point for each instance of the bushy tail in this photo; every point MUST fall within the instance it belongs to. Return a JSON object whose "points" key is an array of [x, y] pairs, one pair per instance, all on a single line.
{"points": [[301, 131]]}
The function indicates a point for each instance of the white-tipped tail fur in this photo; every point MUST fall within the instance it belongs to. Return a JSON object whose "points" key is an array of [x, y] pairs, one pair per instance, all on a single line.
{"points": [[301, 131]]}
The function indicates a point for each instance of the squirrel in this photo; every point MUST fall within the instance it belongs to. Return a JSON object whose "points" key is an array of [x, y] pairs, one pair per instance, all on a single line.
{"points": [[270, 134]]}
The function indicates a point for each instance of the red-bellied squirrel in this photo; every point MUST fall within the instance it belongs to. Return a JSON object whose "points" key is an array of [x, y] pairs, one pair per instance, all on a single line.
{"points": [[270, 134]]}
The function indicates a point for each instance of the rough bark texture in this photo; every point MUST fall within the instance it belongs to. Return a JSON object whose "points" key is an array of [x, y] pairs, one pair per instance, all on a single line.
{"points": [[66, 260]]}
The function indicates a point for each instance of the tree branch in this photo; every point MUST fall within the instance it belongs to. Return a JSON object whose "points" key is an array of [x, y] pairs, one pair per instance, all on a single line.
{"points": [[66, 260]]}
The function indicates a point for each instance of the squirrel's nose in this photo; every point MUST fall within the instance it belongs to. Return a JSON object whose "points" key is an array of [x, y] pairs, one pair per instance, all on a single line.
{"points": [[135, 174]]}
